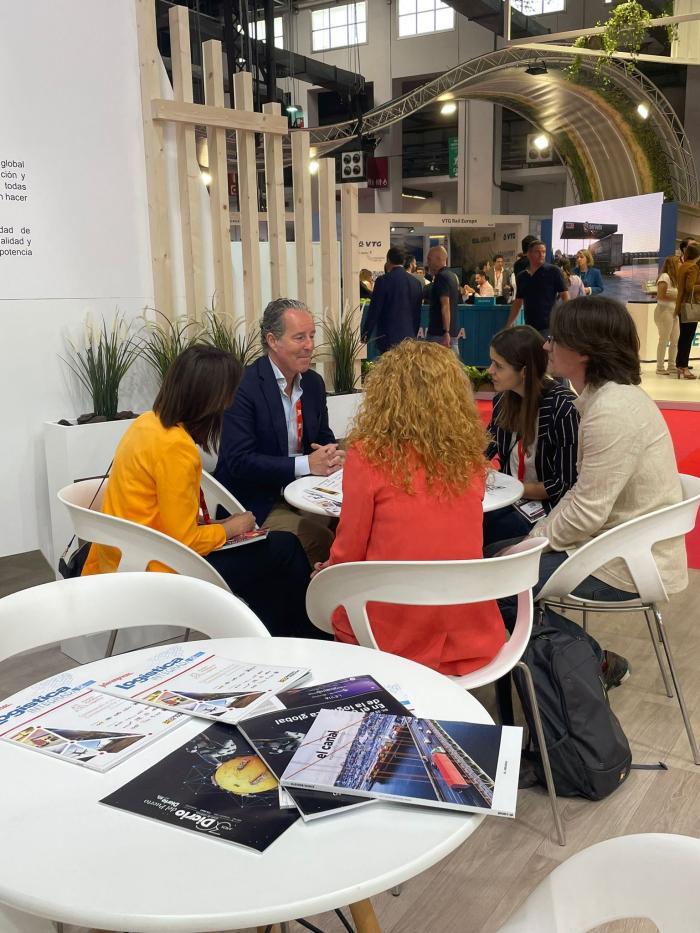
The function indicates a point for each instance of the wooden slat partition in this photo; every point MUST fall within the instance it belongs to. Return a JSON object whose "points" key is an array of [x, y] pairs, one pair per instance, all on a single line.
{"points": [[349, 229], [328, 231], [301, 181], [218, 191], [276, 226], [149, 67], [248, 202], [207, 115], [189, 176]]}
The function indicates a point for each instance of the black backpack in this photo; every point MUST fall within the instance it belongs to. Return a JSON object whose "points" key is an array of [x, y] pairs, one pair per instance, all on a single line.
{"points": [[588, 751]]}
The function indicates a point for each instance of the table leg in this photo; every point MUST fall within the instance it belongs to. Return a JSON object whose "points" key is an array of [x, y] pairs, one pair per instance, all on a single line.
{"points": [[364, 917]]}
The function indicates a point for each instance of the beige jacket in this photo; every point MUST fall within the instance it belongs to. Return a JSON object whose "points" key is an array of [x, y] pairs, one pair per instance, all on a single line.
{"points": [[626, 468]]}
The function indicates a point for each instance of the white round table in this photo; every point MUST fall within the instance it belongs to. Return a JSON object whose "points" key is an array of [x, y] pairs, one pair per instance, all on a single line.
{"points": [[69, 858], [502, 490]]}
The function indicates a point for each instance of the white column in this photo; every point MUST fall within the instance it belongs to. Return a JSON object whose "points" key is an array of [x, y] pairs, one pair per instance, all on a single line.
{"points": [[475, 189]]}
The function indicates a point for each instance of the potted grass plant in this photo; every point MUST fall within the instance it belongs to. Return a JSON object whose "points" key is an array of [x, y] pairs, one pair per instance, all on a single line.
{"points": [[222, 331], [101, 364], [164, 340], [342, 348]]}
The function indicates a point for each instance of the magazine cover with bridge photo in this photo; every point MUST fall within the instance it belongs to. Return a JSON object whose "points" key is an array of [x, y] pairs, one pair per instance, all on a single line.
{"points": [[214, 785], [438, 763], [278, 735]]}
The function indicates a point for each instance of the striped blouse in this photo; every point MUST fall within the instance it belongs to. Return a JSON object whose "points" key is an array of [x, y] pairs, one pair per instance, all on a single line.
{"points": [[557, 441]]}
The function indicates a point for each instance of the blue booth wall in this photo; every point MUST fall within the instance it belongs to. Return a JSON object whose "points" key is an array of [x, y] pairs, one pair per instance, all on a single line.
{"points": [[477, 325]]}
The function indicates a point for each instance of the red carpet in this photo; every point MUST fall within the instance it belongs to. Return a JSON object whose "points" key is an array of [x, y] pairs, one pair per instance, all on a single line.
{"points": [[684, 427]]}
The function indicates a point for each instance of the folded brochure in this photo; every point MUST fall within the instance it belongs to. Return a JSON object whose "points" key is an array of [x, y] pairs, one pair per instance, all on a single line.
{"points": [[245, 537], [434, 762], [213, 785], [201, 683], [277, 735], [65, 717]]}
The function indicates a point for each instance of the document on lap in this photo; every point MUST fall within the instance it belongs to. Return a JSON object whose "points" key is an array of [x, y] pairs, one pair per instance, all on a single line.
{"points": [[200, 683]]}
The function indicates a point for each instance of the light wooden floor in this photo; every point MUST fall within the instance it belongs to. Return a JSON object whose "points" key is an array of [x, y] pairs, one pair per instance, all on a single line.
{"points": [[478, 886]]}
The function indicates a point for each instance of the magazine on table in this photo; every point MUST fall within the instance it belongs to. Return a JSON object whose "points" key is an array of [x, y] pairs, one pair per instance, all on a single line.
{"points": [[65, 717], [201, 683], [434, 762], [213, 785], [245, 537], [277, 735]]}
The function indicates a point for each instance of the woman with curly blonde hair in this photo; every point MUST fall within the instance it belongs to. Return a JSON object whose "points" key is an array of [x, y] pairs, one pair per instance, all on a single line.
{"points": [[413, 486]]}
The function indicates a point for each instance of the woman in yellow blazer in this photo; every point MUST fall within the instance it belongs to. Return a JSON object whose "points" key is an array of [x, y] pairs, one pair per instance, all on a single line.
{"points": [[155, 481]]}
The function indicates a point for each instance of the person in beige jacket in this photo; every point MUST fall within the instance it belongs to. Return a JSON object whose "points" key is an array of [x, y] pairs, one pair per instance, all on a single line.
{"points": [[626, 464]]}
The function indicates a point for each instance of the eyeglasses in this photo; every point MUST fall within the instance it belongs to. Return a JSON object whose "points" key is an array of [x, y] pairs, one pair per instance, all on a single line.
{"points": [[550, 339]]}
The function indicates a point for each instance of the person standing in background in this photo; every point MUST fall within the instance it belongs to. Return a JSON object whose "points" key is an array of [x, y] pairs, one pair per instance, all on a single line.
{"points": [[667, 323], [366, 284], [394, 310], [688, 290], [483, 286], [537, 287], [501, 277], [590, 276], [444, 298], [574, 285]]}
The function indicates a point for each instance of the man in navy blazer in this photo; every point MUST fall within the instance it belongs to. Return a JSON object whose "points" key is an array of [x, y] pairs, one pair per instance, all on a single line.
{"points": [[277, 428], [395, 306]]}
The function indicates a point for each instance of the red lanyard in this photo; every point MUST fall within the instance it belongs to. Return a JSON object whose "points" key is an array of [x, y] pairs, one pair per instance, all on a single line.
{"points": [[203, 507], [299, 426], [521, 461]]}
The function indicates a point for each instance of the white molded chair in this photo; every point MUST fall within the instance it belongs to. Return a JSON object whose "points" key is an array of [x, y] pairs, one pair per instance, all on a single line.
{"points": [[216, 495], [99, 603], [633, 542], [651, 875], [139, 545], [442, 583]]}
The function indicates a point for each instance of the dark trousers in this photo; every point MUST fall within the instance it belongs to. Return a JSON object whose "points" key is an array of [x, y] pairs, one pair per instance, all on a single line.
{"points": [[272, 577], [685, 342], [504, 525]]}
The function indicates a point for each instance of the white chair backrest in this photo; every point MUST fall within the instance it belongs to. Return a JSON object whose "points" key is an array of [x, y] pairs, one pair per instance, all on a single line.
{"points": [[108, 601], [418, 583], [139, 545], [651, 875], [633, 542], [209, 461], [341, 412], [217, 495]]}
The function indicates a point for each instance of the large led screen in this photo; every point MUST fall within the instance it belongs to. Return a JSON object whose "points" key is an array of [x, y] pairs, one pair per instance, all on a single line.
{"points": [[636, 219]]}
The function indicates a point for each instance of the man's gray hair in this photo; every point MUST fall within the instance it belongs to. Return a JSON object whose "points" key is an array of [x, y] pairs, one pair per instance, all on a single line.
{"points": [[272, 321]]}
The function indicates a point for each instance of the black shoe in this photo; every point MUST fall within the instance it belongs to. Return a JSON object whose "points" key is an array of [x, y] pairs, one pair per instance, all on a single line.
{"points": [[614, 670]]}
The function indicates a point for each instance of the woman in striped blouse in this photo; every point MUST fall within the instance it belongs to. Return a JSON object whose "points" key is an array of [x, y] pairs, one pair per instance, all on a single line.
{"points": [[534, 431]]}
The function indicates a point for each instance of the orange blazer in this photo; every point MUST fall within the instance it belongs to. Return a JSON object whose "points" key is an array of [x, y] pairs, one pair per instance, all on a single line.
{"points": [[155, 481], [380, 521]]}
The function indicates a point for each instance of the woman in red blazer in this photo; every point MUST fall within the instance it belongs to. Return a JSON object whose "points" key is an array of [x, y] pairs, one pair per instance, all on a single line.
{"points": [[413, 486]]}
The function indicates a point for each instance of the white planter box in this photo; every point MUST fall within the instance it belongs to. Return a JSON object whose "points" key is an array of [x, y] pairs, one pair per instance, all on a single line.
{"points": [[80, 452]]}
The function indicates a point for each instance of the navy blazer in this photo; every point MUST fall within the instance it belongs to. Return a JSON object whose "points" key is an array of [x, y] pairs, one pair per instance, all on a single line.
{"points": [[253, 460], [394, 309], [557, 442]]}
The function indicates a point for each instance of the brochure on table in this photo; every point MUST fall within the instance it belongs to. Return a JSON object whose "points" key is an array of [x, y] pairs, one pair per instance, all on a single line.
{"points": [[201, 683], [65, 717], [214, 785], [327, 493], [438, 763], [276, 736]]}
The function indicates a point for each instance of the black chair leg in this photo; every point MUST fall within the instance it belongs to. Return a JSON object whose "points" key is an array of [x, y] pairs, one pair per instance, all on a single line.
{"points": [[504, 697]]}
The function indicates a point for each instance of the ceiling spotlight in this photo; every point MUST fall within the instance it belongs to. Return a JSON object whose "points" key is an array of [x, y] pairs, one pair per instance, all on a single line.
{"points": [[643, 111], [206, 178], [448, 108], [291, 108], [541, 142], [536, 68], [393, 229], [313, 166]]}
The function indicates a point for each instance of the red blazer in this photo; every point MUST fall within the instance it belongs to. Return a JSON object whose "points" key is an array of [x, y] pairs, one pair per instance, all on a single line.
{"points": [[381, 521]]}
